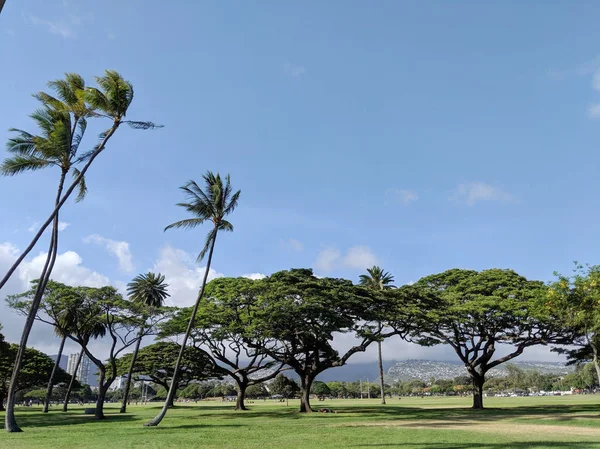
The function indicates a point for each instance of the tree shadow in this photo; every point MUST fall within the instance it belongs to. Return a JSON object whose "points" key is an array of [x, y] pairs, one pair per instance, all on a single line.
{"points": [[511, 445], [65, 419]]}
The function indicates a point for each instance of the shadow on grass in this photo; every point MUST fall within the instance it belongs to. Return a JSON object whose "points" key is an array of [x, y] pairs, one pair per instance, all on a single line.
{"points": [[64, 419], [512, 445]]}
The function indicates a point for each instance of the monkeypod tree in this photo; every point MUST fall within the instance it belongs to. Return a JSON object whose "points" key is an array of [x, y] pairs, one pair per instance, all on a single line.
{"points": [[56, 301], [156, 362], [475, 313], [36, 369], [298, 314], [220, 328], [121, 320], [574, 302]]}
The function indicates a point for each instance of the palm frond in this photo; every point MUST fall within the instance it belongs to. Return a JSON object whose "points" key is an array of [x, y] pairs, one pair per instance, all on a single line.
{"points": [[209, 238], [143, 125], [186, 224], [81, 187], [19, 164]]}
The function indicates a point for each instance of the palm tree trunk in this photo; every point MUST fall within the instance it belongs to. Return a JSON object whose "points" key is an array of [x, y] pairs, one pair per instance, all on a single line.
{"points": [[171, 395], [73, 376], [10, 423], [54, 370], [130, 373], [381, 384], [59, 204]]}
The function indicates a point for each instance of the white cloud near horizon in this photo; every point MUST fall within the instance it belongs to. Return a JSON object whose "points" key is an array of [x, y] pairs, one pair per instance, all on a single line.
{"points": [[119, 249], [254, 276], [475, 192], [357, 257], [182, 274]]}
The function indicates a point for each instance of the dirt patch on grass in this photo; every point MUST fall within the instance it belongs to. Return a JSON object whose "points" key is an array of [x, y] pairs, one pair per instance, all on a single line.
{"points": [[504, 428]]}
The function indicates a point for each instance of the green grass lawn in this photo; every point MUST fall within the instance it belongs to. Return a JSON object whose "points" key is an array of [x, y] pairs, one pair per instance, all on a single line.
{"points": [[423, 423]]}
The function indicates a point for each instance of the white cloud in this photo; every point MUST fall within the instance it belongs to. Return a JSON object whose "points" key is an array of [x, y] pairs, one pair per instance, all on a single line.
{"points": [[402, 195], [359, 257], [254, 276], [474, 192], [55, 27], [68, 269], [62, 225], [594, 111], [292, 245], [327, 260], [119, 249], [182, 275], [34, 227], [293, 70]]}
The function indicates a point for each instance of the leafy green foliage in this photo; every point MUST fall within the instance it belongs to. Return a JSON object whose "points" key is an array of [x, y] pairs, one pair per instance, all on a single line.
{"points": [[227, 310], [474, 312], [284, 386], [35, 370], [299, 313], [574, 302], [156, 361]]}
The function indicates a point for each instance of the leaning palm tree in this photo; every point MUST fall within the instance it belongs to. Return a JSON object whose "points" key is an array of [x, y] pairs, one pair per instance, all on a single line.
{"points": [[110, 101], [378, 279], [62, 121], [148, 291], [213, 204]]}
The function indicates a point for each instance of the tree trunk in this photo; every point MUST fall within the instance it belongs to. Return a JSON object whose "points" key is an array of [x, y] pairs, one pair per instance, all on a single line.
{"points": [[305, 384], [130, 373], [478, 381], [60, 203], [171, 394], [10, 423], [102, 389], [381, 384], [241, 394], [595, 361], [73, 376], [54, 371]]}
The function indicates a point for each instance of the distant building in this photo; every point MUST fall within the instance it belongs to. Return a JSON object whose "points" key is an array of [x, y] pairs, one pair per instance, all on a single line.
{"points": [[83, 372], [118, 383]]}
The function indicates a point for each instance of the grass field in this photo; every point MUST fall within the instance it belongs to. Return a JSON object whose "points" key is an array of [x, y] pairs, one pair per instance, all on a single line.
{"points": [[419, 423]]}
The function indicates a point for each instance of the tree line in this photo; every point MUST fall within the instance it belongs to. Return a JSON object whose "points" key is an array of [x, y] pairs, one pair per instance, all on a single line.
{"points": [[250, 330]]}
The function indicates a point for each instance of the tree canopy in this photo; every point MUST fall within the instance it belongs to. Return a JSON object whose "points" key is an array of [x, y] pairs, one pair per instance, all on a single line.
{"points": [[475, 312]]}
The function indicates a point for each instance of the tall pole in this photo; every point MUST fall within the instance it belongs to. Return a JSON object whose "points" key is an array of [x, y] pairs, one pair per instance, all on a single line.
{"points": [[1, 4]]}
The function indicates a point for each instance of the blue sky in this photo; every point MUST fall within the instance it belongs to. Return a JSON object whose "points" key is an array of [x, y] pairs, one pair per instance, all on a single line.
{"points": [[421, 136]]}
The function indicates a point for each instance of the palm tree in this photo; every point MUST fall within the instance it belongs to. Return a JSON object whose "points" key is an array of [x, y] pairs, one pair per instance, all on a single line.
{"points": [[212, 204], [62, 123], [378, 279], [110, 101], [150, 291]]}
